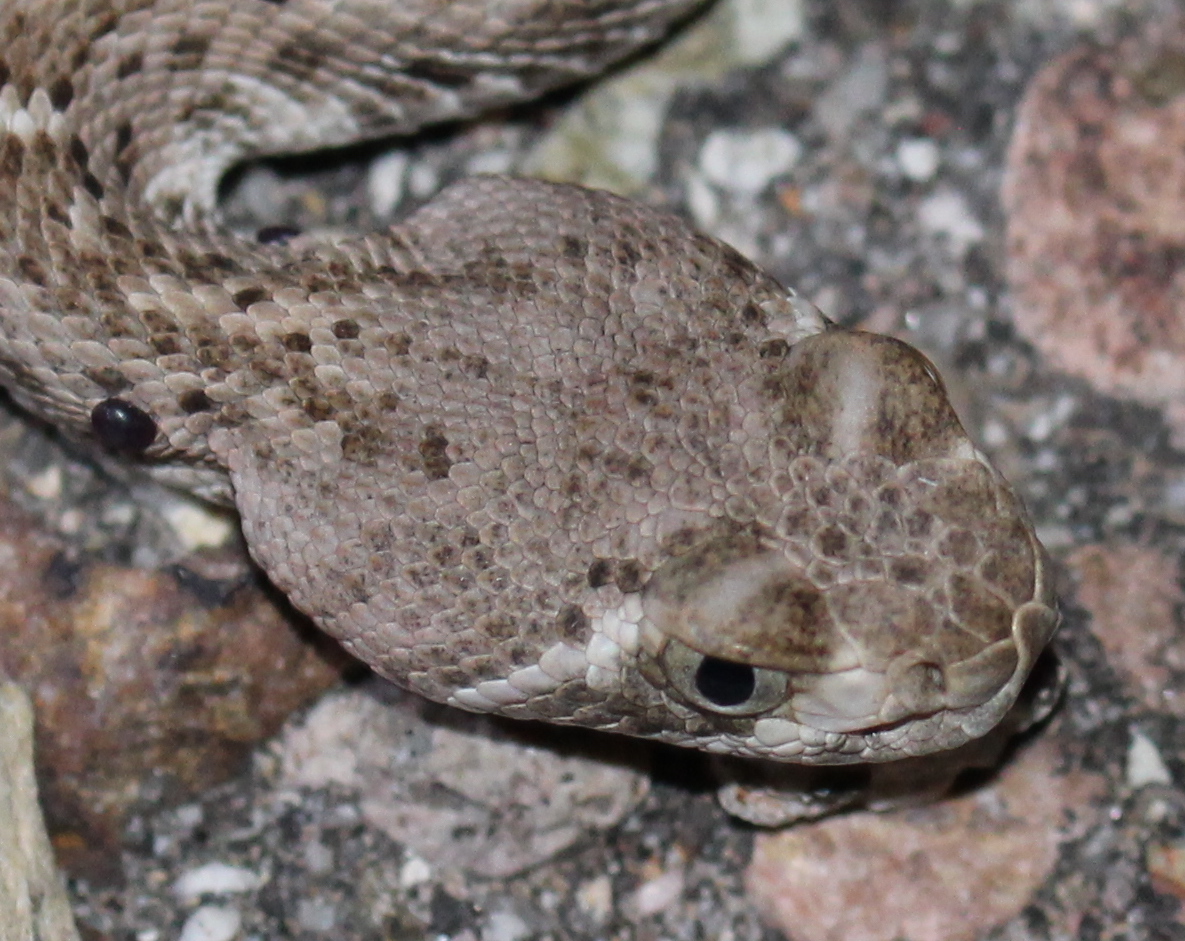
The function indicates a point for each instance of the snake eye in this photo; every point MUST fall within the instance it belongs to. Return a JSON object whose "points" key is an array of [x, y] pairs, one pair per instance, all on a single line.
{"points": [[726, 687], [723, 682]]}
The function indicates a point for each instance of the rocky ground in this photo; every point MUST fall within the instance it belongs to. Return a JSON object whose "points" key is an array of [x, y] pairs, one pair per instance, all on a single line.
{"points": [[998, 182]]}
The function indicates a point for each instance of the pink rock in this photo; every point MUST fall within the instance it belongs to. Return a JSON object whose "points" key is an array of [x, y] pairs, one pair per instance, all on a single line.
{"points": [[1095, 196], [947, 872]]}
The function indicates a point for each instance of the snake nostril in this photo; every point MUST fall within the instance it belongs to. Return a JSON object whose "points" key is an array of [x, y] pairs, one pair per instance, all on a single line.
{"points": [[725, 683]]}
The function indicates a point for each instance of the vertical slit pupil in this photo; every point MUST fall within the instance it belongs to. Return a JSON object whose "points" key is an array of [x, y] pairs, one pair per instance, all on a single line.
{"points": [[723, 682]]}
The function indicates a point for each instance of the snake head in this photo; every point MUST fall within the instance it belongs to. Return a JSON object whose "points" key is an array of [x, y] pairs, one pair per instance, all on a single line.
{"points": [[891, 604]]}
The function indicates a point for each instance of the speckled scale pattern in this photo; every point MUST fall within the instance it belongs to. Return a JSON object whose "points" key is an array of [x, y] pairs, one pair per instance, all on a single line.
{"points": [[538, 450]]}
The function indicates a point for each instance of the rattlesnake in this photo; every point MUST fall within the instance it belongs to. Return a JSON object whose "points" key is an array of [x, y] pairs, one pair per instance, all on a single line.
{"points": [[537, 451]]}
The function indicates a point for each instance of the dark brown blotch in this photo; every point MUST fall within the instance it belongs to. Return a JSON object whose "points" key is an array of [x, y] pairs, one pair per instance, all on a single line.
{"points": [[61, 93], [12, 157], [572, 624], [297, 342], [194, 401], [438, 72], [600, 573], [248, 296], [189, 51], [629, 576], [32, 270], [434, 454], [130, 64]]}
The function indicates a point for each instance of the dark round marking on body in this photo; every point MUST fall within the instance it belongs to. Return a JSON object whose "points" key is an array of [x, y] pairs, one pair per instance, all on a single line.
{"points": [[725, 683], [45, 148], [109, 379], [433, 453], [773, 349], [600, 573], [398, 344], [114, 228], [908, 570], [130, 64], [194, 401], [628, 576], [346, 329], [248, 296], [302, 56], [91, 184], [297, 342], [437, 72], [190, 50], [276, 234], [105, 25], [78, 153], [12, 157], [61, 93], [753, 316], [572, 624], [55, 212], [32, 270], [121, 426]]}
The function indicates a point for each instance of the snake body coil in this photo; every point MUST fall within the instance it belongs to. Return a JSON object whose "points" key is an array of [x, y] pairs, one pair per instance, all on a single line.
{"points": [[537, 451]]}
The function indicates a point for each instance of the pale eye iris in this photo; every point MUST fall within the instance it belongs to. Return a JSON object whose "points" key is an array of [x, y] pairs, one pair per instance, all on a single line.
{"points": [[725, 687]]}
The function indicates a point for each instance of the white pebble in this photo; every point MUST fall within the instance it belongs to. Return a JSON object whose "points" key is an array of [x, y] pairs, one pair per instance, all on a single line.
{"points": [[657, 894], [216, 879], [211, 923], [504, 925], [414, 872], [763, 27], [384, 182], [316, 915], [595, 898], [745, 162], [918, 158], [1144, 764], [947, 214]]}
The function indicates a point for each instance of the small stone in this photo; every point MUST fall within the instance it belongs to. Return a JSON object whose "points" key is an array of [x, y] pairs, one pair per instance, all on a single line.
{"points": [[746, 162], [216, 879], [918, 158], [761, 28], [33, 900], [1094, 207], [211, 923], [595, 898], [857, 92], [119, 658], [505, 925], [1144, 764], [318, 915], [947, 215], [385, 181], [515, 804], [414, 872], [318, 857], [657, 894]]}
